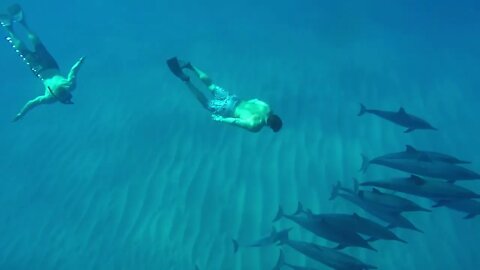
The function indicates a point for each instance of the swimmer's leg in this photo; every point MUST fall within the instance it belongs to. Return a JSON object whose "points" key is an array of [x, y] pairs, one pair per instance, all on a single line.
{"points": [[198, 95], [200, 74]]}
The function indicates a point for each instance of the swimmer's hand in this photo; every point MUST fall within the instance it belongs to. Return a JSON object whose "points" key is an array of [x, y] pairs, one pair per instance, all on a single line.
{"points": [[217, 118], [17, 117]]}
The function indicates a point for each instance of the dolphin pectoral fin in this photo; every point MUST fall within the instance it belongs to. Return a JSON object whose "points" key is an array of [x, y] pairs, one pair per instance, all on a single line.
{"points": [[469, 216], [408, 130], [451, 181], [340, 246]]}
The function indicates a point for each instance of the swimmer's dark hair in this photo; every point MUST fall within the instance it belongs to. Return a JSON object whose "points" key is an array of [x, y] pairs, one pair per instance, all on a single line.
{"points": [[274, 122]]}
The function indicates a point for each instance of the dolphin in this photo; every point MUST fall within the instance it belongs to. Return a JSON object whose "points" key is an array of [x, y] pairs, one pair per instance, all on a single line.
{"points": [[355, 223], [328, 256], [430, 189], [413, 153], [401, 117], [391, 202], [424, 167], [386, 202], [393, 219], [322, 228], [469, 206], [269, 240], [282, 263]]}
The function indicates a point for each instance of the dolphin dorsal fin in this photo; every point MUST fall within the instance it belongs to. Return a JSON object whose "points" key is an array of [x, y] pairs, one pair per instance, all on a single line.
{"points": [[376, 191], [401, 111], [409, 148], [417, 180]]}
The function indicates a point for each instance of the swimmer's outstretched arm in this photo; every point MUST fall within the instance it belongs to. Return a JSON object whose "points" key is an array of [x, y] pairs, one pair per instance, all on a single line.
{"points": [[247, 124], [72, 75], [30, 105]]}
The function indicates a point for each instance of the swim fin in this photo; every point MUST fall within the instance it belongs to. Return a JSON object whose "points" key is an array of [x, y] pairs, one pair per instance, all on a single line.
{"points": [[176, 68], [16, 13]]}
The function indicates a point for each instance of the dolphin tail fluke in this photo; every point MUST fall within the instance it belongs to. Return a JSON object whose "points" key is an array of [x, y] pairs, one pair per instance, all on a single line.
{"points": [[335, 191], [299, 209], [235, 245], [363, 110], [280, 261], [365, 163], [279, 215]]}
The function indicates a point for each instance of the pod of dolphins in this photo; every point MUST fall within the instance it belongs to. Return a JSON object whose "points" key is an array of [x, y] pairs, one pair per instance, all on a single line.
{"points": [[353, 230]]}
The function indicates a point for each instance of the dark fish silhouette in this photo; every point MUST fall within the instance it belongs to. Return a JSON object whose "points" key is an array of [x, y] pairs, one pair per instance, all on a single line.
{"points": [[282, 263], [393, 219], [269, 240], [424, 167], [469, 206], [430, 189], [412, 153], [322, 228], [355, 223], [328, 256], [401, 117]]}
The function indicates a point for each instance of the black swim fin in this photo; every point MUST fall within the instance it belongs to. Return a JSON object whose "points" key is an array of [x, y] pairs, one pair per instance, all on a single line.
{"points": [[16, 13], [176, 68]]}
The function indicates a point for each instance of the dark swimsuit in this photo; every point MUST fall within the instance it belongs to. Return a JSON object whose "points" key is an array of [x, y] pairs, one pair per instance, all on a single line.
{"points": [[39, 60]]}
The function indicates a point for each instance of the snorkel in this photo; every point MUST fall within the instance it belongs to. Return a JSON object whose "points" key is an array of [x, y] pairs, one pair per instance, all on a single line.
{"points": [[67, 100]]}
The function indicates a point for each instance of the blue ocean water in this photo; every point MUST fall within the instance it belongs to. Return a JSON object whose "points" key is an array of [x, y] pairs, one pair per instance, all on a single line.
{"points": [[135, 175]]}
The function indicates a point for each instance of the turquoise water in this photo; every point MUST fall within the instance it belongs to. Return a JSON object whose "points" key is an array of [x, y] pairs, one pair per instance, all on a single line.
{"points": [[135, 175]]}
